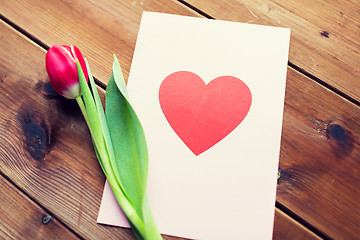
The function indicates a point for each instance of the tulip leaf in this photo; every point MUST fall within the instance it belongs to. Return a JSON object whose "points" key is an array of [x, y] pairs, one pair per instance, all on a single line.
{"points": [[107, 167], [128, 139]]}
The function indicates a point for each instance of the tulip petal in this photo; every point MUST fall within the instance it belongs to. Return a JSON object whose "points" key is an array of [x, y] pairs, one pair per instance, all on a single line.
{"points": [[62, 70], [72, 91]]}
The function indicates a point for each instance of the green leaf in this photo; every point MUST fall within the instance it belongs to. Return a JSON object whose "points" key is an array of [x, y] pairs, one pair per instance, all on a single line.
{"points": [[128, 139], [107, 138]]}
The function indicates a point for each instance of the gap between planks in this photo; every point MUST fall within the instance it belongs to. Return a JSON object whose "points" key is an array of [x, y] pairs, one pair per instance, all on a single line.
{"points": [[301, 221], [38, 42], [38, 204], [103, 86]]}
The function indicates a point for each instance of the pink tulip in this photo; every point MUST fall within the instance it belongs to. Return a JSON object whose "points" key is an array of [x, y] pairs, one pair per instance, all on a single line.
{"points": [[62, 70]]}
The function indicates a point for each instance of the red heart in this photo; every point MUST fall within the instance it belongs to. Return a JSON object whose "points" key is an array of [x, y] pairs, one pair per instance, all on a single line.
{"points": [[200, 114]]}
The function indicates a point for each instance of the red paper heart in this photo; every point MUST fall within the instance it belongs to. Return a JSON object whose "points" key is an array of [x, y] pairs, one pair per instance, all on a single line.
{"points": [[200, 114]]}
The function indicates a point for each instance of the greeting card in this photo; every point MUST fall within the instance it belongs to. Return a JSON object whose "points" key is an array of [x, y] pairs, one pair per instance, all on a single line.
{"points": [[210, 97]]}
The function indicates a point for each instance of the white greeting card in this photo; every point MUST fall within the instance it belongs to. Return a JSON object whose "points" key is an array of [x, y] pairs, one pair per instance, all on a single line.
{"points": [[210, 97]]}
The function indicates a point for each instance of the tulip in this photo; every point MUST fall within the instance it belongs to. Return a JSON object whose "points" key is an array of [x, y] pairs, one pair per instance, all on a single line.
{"points": [[62, 70], [125, 166]]}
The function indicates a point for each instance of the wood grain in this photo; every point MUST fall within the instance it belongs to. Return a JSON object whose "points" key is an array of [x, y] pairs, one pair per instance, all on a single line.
{"points": [[21, 218], [325, 36], [319, 163], [99, 28], [45, 146], [320, 147], [55, 163]]}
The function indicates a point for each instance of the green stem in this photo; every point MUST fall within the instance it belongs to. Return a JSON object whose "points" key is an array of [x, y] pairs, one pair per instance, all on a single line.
{"points": [[150, 231], [81, 104]]}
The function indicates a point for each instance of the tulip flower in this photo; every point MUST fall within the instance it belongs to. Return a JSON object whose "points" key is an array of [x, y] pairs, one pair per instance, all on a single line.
{"points": [[62, 70]]}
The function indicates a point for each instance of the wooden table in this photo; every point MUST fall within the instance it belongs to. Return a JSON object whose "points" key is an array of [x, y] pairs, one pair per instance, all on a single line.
{"points": [[50, 180]]}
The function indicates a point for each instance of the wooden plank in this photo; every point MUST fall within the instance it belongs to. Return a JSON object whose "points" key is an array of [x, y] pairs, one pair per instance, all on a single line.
{"points": [[325, 36], [21, 218], [45, 146], [98, 28], [55, 163], [287, 228], [322, 203], [319, 163]]}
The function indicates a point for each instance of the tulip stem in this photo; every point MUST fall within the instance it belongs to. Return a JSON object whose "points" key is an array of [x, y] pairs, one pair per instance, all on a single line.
{"points": [[81, 104]]}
